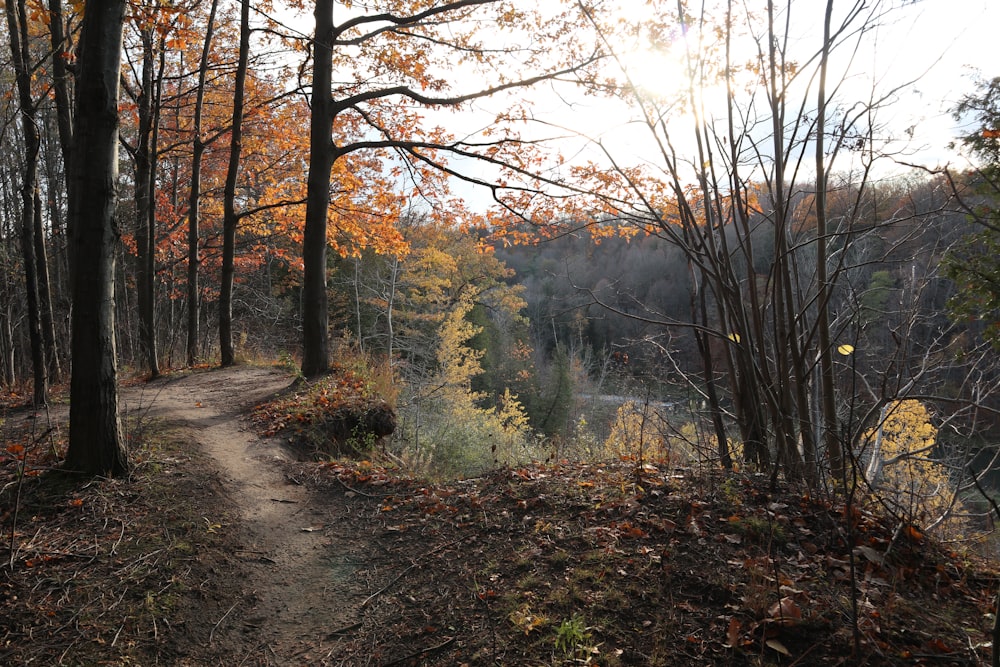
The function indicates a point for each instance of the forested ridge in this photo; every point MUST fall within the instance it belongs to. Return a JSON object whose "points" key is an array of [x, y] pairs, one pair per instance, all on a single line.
{"points": [[487, 243]]}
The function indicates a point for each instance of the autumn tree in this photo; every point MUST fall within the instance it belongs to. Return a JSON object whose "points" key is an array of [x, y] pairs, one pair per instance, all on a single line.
{"points": [[903, 465], [230, 218], [151, 35], [445, 423], [95, 440], [406, 58], [194, 196]]}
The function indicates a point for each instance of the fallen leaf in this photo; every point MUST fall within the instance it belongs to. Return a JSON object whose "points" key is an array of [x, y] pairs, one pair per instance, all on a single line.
{"points": [[775, 645], [733, 633], [871, 554], [785, 611]]}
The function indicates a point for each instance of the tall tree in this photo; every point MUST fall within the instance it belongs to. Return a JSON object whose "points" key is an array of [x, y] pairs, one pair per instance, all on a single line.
{"points": [[194, 198], [21, 58], [95, 439], [145, 232], [315, 317], [229, 216], [825, 350], [972, 263], [407, 49]]}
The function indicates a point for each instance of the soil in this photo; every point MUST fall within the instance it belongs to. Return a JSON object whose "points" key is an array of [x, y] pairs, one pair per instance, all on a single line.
{"points": [[224, 548], [297, 575]]}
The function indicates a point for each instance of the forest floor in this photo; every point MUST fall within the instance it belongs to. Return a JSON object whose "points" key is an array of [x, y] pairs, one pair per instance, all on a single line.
{"points": [[222, 548]]}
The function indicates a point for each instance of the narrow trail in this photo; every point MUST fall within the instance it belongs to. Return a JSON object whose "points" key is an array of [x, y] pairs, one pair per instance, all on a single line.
{"points": [[302, 584]]}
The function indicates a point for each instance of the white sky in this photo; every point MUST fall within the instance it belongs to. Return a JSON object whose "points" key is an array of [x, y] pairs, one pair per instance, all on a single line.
{"points": [[943, 43]]}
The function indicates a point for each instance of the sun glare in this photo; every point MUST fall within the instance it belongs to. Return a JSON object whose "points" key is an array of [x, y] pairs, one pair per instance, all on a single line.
{"points": [[662, 77]]}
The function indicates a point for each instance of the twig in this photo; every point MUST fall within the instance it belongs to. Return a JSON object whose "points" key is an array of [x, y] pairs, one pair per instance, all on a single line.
{"points": [[121, 536], [124, 621], [412, 565], [388, 585], [344, 630], [417, 654], [250, 653], [211, 634], [23, 465], [361, 493]]}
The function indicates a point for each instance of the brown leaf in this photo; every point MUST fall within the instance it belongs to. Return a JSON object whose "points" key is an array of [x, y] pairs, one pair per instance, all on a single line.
{"points": [[871, 554], [785, 611], [733, 633]]}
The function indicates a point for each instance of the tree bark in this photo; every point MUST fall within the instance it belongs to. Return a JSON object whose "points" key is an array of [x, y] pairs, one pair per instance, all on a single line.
{"points": [[145, 232], [51, 351], [229, 217], [60, 79], [95, 437], [827, 398], [194, 199], [18, 32], [315, 318], [61, 88]]}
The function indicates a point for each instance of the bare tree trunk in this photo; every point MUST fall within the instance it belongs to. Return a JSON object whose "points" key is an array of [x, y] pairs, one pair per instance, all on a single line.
{"points": [[60, 79], [229, 217], [194, 258], [7, 350], [827, 399], [18, 31], [145, 228], [55, 176], [44, 293], [95, 437], [315, 318]]}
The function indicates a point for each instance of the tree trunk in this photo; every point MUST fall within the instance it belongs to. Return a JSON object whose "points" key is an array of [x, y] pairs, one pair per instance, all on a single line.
{"points": [[44, 293], [17, 28], [315, 353], [95, 437], [827, 398], [194, 259], [145, 232], [229, 217], [7, 365], [60, 79], [55, 204]]}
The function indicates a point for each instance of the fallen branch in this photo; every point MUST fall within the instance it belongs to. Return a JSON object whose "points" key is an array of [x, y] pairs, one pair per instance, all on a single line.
{"points": [[420, 653]]}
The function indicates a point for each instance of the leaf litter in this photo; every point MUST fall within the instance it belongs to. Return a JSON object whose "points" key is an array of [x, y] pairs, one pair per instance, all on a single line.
{"points": [[610, 564]]}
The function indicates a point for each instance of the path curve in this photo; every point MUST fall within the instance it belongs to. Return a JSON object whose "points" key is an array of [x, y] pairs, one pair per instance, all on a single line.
{"points": [[301, 586]]}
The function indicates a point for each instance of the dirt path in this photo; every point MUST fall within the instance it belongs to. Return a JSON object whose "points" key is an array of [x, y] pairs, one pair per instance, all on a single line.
{"points": [[302, 583]]}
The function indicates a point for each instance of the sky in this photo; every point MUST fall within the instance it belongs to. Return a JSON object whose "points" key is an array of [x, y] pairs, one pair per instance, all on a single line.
{"points": [[939, 45], [947, 43]]}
